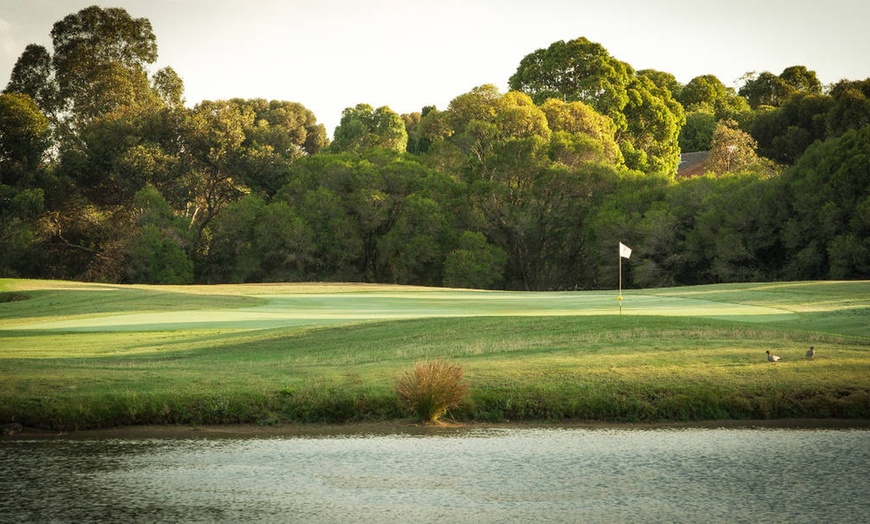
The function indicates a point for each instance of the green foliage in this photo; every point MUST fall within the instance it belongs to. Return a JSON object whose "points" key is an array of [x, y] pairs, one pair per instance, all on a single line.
{"points": [[663, 80], [767, 89], [697, 134], [363, 127], [432, 388], [475, 263], [826, 230], [157, 249], [412, 250], [706, 93], [851, 106], [33, 76], [576, 124], [577, 70], [785, 133], [255, 241], [100, 60], [584, 71], [654, 122], [24, 138], [731, 149], [156, 259], [169, 87], [106, 175]]}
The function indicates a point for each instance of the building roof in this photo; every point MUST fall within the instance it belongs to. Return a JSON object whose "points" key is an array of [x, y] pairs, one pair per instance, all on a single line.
{"points": [[692, 164]]}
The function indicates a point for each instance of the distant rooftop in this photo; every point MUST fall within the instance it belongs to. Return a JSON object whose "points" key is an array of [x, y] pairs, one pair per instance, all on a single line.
{"points": [[692, 164]]}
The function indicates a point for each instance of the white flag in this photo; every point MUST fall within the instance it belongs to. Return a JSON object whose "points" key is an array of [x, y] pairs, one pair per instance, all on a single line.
{"points": [[624, 251]]}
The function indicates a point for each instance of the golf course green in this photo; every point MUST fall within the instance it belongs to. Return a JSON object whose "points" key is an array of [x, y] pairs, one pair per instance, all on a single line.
{"points": [[83, 355]]}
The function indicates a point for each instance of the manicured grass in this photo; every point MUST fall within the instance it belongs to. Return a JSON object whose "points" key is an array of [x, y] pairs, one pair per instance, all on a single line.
{"points": [[83, 355]]}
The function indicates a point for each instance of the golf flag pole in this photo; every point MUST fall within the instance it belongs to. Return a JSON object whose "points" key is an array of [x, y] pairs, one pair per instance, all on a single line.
{"points": [[624, 252]]}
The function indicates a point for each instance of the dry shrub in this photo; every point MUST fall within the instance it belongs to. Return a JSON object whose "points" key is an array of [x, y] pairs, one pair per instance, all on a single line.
{"points": [[431, 388]]}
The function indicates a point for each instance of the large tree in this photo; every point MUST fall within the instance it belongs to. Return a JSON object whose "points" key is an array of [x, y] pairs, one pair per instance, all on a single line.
{"points": [[576, 70], [646, 115], [101, 58]]}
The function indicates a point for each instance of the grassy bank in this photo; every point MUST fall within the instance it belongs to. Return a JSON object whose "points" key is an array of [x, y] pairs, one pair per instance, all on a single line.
{"points": [[77, 356]]}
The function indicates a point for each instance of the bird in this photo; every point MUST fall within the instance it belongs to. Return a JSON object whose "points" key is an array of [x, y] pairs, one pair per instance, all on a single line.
{"points": [[811, 352], [771, 358]]}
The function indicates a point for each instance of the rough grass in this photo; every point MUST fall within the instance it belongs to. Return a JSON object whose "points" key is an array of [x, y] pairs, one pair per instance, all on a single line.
{"points": [[590, 367]]}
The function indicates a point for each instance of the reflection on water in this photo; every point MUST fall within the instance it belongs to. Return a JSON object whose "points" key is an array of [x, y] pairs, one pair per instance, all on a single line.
{"points": [[494, 475]]}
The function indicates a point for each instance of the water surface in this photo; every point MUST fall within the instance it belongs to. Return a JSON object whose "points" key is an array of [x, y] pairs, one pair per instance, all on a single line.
{"points": [[477, 475]]}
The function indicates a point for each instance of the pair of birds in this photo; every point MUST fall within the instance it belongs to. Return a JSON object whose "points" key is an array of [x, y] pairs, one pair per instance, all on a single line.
{"points": [[774, 358]]}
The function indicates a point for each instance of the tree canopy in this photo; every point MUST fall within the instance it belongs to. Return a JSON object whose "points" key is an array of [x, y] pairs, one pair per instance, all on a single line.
{"points": [[646, 115], [108, 174]]}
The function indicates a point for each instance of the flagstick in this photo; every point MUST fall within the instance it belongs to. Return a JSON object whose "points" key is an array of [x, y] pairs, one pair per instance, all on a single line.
{"points": [[620, 283]]}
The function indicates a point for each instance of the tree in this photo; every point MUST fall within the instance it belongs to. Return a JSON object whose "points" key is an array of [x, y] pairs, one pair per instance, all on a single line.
{"points": [[476, 123], [412, 251], [732, 150], [647, 117], [280, 133], [375, 216], [851, 107], [704, 92], [363, 127], [654, 123], [697, 133], [169, 87], [24, 133], [708, 94], [739, 229], [784, 133], [827, 233], [576, 119], [19, 211], [663, 80], [577, 70], [33, 75], [212, 136], [475, 263], [802, 80], [100, 60], [24, 137], [767, 89], [253, 241], [157, 247], [318, 187]]}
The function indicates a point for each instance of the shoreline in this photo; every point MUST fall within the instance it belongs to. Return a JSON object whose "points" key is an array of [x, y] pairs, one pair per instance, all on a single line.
{"points": [[409, 427]]}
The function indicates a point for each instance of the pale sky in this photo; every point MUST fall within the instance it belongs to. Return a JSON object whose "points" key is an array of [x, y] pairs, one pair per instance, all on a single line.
{"points": [[333, 54]]}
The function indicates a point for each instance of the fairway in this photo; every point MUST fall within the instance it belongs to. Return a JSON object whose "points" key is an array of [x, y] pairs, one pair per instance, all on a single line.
{"points": [[306, 309], [85, 355]]}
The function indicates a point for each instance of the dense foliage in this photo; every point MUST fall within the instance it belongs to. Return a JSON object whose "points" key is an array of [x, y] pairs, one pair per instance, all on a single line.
{"points": [[106, 175]]}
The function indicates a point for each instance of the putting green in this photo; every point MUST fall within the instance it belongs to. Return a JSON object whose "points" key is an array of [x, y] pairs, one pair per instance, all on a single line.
{"points": [[307, 309]]}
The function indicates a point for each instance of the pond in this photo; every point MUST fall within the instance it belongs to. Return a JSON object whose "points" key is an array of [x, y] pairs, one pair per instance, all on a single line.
{"points": [[463, 475]]}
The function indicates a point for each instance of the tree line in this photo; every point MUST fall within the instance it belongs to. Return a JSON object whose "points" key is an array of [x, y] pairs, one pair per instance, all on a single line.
{"points": [[106, 175]]}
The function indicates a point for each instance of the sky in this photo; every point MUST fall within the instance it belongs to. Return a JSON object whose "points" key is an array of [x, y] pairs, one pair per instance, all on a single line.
{"points": [[332, 54]]}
